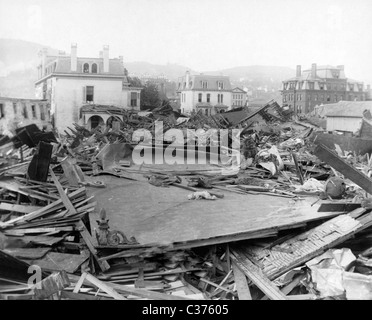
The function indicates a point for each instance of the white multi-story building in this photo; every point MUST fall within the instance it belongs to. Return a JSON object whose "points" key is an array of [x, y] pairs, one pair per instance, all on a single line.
{"points": [[69, 82], [211, 94], [239, 97]]}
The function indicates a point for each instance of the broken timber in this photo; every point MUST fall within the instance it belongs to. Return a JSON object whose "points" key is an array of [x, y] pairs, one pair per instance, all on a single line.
{"points": [[326, 155], [258, 278], [307, 245]]}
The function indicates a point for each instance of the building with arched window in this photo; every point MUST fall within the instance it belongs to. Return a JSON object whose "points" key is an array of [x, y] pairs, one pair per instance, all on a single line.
{"points": [[69, 82]]}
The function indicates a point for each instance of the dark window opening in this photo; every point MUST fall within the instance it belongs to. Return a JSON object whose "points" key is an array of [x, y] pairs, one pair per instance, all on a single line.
{"points": [[89, 93], [33, 109], [14, 107], [24, 112], [42, 112], [86, 68], [2, 114], [200, 97], [208, 97], [133, 99], [94, 68], [95, 121]]}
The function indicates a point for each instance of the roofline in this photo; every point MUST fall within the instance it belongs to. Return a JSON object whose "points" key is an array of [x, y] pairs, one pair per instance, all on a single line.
{"points": [[85, 75], [344, 116], [24, 99], [205, 90]]}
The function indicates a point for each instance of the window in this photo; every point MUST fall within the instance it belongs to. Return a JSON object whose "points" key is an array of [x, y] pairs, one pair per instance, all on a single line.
{"points": [[206, 112], [221, 98], [204, 84], [321, 86], [351, 87], [2, 114], [24, 111], [208, 97], [14, 107], [89, 94], [328, 98], [220, 85], [42, 114], [200, 97], [94, 68], [86, 68], [311, 85], [133, 99], [33, 110], [218, 98]]}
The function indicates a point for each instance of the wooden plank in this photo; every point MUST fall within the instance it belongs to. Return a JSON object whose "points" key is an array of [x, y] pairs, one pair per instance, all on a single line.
{"points": [[90, 244], [257, 277], [290, 286], [145, 293], [16, 232], [104, 287], [51, 285], [27, 253], [241, 283], [306, 245], [65, 199], [325, 154], [80, 296], [18, 207], [80, 282], [217, 286], [39, 213], [56, 261]]}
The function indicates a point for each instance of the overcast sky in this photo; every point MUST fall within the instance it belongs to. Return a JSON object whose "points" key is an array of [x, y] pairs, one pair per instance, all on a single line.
{"points": [[202, 34]]}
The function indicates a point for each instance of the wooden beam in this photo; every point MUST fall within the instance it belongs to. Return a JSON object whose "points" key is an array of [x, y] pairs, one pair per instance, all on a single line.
{"points": [[66, 201], [325, 154], [104, 287], [241, 283], [89, 242], [256, 275]]}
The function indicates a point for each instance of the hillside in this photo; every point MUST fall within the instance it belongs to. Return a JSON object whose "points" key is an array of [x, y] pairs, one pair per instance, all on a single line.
{"points": [[18, 61]]}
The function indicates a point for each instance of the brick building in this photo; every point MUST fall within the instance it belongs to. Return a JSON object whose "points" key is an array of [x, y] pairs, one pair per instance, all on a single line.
{"points": [[318, 86]]}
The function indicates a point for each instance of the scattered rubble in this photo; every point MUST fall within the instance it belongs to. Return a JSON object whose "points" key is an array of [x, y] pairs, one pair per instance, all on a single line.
{"points": [[46, 212]]}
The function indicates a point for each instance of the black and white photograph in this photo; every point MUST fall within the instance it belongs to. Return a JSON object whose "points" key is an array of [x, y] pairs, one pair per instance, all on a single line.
{"points": [[183, 155]]}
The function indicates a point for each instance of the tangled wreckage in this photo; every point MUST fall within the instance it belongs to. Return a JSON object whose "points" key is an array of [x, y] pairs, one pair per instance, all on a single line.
{"points": [[289, 218]]}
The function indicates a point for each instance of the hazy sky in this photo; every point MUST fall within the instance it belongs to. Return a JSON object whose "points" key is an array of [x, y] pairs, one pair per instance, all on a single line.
{"points": [[202, 34]]}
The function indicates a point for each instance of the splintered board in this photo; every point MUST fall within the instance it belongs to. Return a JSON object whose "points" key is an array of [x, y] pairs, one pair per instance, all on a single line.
{"points": [[159, 215], [302, 248]]}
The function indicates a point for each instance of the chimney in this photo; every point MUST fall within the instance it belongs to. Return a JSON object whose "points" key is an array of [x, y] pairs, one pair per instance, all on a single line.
{"points": [[106, 58], [43, 54], [341, 67], [298, 71], [187, 79], [313, 70], [121, 58], [73, 57]]}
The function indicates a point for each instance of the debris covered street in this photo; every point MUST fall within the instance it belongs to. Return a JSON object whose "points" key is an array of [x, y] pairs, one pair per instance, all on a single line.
{"points": [[288, 217]]}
